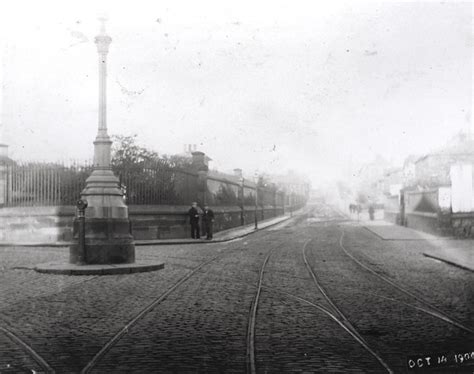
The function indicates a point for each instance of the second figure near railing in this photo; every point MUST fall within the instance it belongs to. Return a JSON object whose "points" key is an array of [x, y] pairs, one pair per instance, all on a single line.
{"points": [[208, 221], [194, 221]]}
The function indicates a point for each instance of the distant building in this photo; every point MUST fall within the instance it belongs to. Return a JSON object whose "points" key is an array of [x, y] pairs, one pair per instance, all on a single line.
{"points": [[188, 149], [409, 170], [371, 180], [292, 183], [433, 169], [393, 181]]}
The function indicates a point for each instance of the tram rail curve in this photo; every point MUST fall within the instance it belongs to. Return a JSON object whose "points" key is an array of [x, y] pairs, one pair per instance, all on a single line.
{"points": [[28, 349], [251, 365], [429, 309], [335, 315], [91, 364], [432, 309], [32, 353], [340, 316]]}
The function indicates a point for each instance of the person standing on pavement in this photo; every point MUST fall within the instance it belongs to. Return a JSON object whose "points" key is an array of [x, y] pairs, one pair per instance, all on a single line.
{"points": [[208, 221], [194, 221], [371, 212]]}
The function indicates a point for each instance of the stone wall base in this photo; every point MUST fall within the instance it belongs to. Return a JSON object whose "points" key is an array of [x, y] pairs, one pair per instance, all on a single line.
{"points": [[392, 217], [55, 224], [431, 223], [463, 225]]}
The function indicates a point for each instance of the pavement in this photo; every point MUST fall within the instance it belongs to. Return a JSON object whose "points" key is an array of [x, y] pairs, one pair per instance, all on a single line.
{"points": [[65, 268], [224, 235], [456, 252], [387, 231], [219, 237]]}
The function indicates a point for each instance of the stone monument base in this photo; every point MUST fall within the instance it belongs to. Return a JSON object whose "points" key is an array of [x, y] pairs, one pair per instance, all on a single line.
{"points": [[103, 253], [107, 241]]}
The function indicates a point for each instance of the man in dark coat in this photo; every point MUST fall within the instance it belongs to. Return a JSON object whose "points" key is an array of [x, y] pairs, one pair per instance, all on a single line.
{"points": [[371, 212], [208, 221], [194, 221]]}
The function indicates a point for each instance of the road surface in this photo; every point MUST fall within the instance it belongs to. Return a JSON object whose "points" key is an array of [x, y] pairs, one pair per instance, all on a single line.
{"points": [[316, 294]]}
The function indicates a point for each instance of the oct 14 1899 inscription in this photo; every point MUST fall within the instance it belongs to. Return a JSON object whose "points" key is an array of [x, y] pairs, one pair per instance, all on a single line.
{"points": [[437, 360]]}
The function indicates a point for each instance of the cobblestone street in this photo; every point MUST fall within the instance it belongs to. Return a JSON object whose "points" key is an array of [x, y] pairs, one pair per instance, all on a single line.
{"points": [[307, 295]]}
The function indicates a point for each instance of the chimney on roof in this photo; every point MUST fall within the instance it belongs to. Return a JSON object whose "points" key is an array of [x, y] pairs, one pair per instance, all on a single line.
{"points": [[238, 172]]}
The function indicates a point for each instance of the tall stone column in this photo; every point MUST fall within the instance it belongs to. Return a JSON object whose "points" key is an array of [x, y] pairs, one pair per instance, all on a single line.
{"points": [[108, 238]]}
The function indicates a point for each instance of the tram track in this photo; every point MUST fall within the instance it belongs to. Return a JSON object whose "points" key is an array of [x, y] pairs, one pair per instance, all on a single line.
{"points": [[338, 314], [417, 303], [332, 312], [329, 309], [343, 323], [31, 352], [250, 334], [103, 351], [252, 316], [28, 349], [251, 364], [47, 367], [429, 308], [143, 312], [432, 310]]}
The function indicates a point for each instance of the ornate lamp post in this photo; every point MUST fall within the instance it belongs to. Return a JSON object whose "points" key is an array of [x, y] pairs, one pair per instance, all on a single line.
{"points": [[103, 243], [108, 238]]}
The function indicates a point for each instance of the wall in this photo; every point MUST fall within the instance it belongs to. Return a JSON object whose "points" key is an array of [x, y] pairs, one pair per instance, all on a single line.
{"points": [[463, 225], [431, 223], [172, 222], [391, 216], [36, 224], [230, 196], [423, 212], [422, 201], [54, 224], [392, 209]]}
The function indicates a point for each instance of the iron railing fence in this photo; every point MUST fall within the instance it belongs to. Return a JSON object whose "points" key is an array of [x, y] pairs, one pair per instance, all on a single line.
{"points": [[150, 183], [43, 184], [54, 184], [158, 186]]}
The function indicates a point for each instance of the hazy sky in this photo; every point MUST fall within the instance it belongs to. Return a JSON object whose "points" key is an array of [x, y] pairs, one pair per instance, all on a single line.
{"points": [[269, 84]]}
